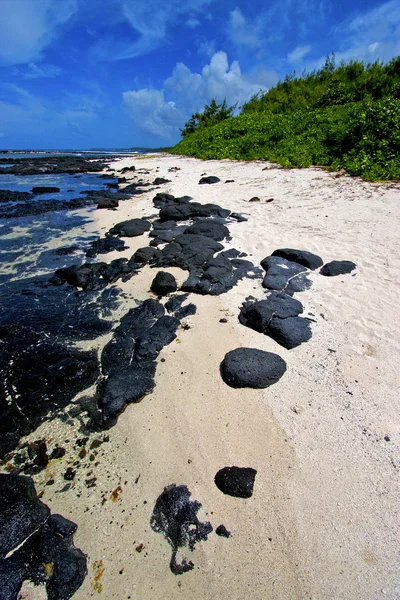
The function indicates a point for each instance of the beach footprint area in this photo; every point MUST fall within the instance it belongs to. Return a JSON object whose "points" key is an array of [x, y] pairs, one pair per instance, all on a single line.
{"points": [[200, 388]]}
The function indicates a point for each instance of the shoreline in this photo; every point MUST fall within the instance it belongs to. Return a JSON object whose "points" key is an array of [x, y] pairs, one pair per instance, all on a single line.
{"points": [[327, 483]]}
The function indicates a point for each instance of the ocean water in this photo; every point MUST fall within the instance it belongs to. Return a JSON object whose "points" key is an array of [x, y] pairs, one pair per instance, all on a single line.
{"points": [[28, 244]]}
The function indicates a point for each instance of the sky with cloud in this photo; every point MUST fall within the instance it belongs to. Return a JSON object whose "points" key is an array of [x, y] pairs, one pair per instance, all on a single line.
{"points": [[122, 73]]}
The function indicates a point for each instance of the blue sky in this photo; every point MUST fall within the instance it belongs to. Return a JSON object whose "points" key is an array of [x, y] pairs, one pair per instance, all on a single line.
{"points": [[123, 73]]}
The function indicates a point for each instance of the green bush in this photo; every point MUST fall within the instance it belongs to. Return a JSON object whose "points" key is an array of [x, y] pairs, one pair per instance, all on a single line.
{"points": [[361, 137]]}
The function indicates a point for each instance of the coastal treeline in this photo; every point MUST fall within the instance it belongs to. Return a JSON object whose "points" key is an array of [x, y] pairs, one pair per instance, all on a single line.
{"points": [[342, 117]]}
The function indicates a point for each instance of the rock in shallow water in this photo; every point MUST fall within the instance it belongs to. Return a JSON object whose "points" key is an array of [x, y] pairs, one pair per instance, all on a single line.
{"points": [[236, 481], [252, 368], [337, 267], [175, 516]]}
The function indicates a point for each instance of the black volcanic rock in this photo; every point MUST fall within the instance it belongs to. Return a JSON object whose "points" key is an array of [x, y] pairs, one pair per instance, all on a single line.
{"points": [[129, 358], [96, 276], [131, 228], [160, 181], [119, 351], [222, 530], [107, 203], [21, 512], [54, 165], [290, 332], [42, 545], [209, 179], [174, 306], [163, 283], [236, 481], [105, 245], [188, 252], [284, 275], [182, 209], [175, 516], [176, 212], [38, 375], [257, 314], [253, 368], [307, 259], [209, 228], [45, 190], [337, 267], [149, 344], [277, 317], [125, 386], [9, 196], [145, 255]]}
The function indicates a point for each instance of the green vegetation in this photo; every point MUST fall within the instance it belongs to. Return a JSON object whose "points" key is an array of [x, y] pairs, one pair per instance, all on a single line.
{"points": [[212, 114], [346, 117]]}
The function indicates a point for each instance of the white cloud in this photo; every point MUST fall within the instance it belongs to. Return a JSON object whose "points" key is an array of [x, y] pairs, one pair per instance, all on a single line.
{"points": [[376, 32], [149, 21], [27, 27], [192, 23], [298, 53], [373, 47], [162, 112], [206, 48], [241, 32], [37, 71], [149, 109]]}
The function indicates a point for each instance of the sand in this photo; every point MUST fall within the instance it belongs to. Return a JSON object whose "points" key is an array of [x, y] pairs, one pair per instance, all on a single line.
{"points": [[323, 520]]}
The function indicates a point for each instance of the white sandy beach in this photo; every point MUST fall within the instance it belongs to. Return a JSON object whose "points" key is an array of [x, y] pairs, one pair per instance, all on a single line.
{"points": [[323, 521]]}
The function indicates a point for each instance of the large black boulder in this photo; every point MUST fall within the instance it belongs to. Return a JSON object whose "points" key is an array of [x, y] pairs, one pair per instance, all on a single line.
{"points": [[307, 259], [145, 255], [236, 481], [277, 317], [163, 283], [209, 228], [337, 267], [130, 228], [252, 368], [284, 275], [257, 314], [290, 332]]}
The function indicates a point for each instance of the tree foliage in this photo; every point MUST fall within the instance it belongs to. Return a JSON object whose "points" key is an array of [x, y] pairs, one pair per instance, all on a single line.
{"points": [[212, 114]]}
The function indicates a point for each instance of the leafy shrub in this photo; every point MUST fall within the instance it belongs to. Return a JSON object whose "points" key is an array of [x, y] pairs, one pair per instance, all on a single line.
{"points": [[362, 137]]}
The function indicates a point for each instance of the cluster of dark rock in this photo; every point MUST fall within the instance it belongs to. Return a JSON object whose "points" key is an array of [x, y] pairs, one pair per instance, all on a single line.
{"points": [[50, 165], [128, 361], [36, 545], [287, 272]]}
